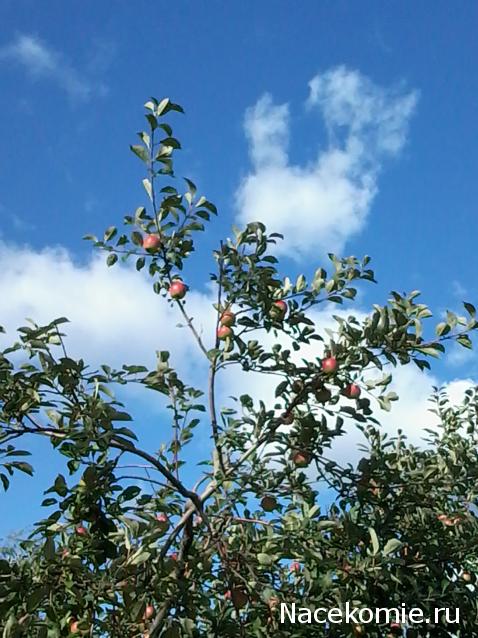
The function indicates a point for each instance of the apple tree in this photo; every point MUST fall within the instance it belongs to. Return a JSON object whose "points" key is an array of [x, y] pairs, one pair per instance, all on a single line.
{"points": [[270, 513]]}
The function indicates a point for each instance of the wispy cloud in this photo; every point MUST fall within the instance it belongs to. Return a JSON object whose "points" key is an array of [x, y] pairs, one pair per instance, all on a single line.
{"points": [[41, 61], [320, 205], [16, 221], [458, 289], [459, 356]]}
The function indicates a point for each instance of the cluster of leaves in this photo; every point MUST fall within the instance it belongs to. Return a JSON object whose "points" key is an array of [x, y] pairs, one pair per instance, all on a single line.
{"points": [[176, 218], [129, 549]]}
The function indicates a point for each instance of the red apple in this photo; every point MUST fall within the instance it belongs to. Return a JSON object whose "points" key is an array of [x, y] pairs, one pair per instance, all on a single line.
{"points": [[467, 577], [148, 612], [81, 531], [329, 365], [163, 520], [301, 458], [295, 567], [287, 418], [228, 318], [224, 332], [278, 310], [268, 503], [74, 626], [174, 556], [151, 242], [177, 289], [352, 391]]}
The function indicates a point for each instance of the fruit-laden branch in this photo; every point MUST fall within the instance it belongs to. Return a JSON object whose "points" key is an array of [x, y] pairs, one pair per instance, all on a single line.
{"points": [[215, 484], [186, 520], [187, 318]]}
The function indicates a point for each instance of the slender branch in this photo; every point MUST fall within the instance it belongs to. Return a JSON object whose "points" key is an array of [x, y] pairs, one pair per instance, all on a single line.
{"points": [[219, 461], [257, 521], [135, 466], [176, 429], [180, 569], [191, 326], [142, 478], [162, 469], [192, 496]]}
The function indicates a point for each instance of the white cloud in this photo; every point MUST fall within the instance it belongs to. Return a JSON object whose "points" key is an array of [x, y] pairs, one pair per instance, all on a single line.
{"points": [[321, 204], [459, 356], [41, 61], [115, 316], [267, 128], [458, 289]]}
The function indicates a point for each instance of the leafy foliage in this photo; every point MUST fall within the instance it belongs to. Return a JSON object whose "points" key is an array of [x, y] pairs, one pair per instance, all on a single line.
{"points": [[277, 519]]}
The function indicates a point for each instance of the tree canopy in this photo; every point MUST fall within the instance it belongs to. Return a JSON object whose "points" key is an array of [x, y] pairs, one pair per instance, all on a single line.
{"points": [[275, 517]]}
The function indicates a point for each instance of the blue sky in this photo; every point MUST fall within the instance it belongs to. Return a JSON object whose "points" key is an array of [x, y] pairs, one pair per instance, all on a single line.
{"points": [[395, 101]]}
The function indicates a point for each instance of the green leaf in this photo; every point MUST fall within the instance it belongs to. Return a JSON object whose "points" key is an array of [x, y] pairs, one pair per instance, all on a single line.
{"points": [[391, 546], [5, 481], [161, 106], [137, 238], [431, 351], [35, 598], [49, 548], [148, 187], [265, 560], [374, 539], [10, 628], [130, 492], [191, 187], [48, 502], [442, 329], [23, 467], [140, 558], [465, 341], [153, 122], [281, 388], [470, 308], [110, 233], [111, 259], [140, 151], [300, 284]]}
